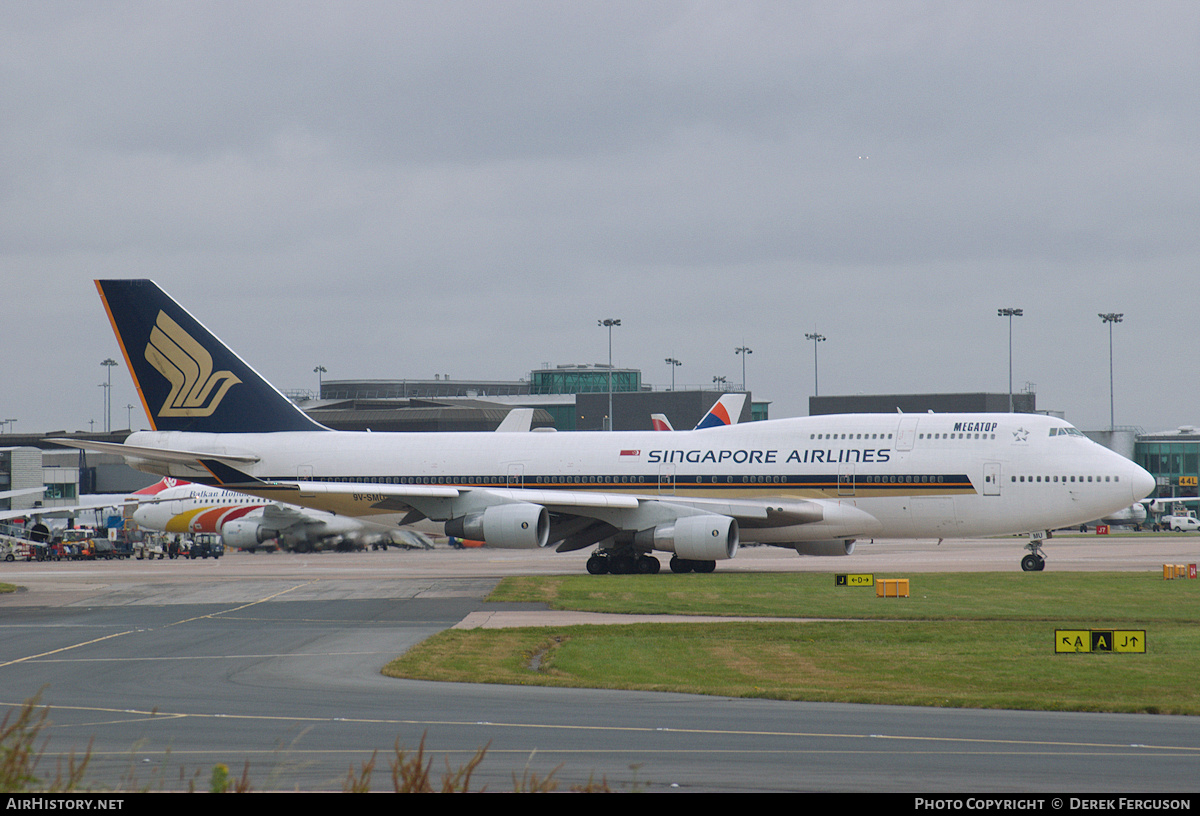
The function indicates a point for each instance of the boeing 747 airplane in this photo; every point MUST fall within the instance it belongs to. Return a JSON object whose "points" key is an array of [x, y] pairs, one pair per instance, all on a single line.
{"points": [[813, 484]]}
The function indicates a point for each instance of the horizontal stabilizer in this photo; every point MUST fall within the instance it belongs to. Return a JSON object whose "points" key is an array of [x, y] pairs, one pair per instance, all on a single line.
{"points": [[147, 454]]}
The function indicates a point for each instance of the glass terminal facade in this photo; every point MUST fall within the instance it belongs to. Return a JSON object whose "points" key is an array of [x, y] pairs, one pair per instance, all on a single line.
{"points": [[1174, 461], [584, 380]]}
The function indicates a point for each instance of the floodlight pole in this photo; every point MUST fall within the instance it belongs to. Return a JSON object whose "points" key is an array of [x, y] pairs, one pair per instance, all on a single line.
{"points": [[816, 338], [108, 363], [319, 370], [1110, 318], [608, 323], [1010, 313], [744, 351], [673, 363]]}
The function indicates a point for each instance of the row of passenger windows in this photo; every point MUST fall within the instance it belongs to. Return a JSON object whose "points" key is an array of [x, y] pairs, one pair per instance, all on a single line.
{"points": [[223, 498], [1065, 479], [661, 479], [499, 480], [889, 436], [916, 479]]}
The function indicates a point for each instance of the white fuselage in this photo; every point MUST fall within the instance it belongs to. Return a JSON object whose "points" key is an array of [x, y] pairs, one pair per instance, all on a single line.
{"points": [[196, 508], [906, 475]]}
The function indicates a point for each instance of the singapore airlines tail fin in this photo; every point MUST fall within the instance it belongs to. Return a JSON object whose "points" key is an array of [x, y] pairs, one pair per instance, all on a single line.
{"points": [[189, 380]]}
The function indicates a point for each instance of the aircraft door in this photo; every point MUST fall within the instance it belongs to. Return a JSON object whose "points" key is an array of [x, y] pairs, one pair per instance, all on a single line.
{"points": [[516, 475], [991, 478], [906, 433], [666, 479], [846, 479], [304, 475]]}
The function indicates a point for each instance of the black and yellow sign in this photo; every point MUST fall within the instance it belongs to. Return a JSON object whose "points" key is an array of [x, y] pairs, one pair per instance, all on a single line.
{"points": [[1189, 481], [1100, 640], [864, 580]]}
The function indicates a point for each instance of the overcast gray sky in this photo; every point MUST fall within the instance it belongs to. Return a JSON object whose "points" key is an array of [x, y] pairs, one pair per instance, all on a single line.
{"points": [[403, 189]]}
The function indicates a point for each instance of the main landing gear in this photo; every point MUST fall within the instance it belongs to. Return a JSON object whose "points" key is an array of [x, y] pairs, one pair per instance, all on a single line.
{"points": [[629, 563], [639, 563], [681, 565]]}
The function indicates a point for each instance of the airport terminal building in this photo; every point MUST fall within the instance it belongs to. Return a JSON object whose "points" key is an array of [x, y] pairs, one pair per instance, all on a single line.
{"points": [[1173, 457], [566, 397]]}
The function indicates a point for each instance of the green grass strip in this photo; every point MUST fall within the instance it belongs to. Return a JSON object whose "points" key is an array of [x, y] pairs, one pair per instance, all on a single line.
{"points": [[961, 640], [1077, 596]]}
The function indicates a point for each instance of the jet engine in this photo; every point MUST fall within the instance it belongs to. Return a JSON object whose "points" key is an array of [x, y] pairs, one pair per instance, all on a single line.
{"points": [[516, 526], [696, 538], [241, 533], [840, 546]]}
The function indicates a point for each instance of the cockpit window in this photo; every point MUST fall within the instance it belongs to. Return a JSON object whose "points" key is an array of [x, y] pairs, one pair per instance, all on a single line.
{"points": [[1067, 431]]}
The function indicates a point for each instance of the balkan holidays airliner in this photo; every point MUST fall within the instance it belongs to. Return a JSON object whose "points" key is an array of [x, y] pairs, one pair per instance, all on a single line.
{"points": [[246, 522], [812, 484]]}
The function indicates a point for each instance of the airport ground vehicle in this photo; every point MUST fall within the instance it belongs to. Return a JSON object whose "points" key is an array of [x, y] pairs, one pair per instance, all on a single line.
{"points": [[149, 546], [206, 545], [1180, 524], [45, 552]]}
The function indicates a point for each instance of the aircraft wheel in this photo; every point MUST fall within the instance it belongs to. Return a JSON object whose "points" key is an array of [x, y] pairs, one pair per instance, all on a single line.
{"points": [[648, 565], [623, 565], [705, 566], [1030, 563], [597, 565], [680, 565]]}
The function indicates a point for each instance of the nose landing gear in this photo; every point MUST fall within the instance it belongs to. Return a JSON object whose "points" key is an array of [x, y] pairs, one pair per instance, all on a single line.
{"points": [[1036, 560]]}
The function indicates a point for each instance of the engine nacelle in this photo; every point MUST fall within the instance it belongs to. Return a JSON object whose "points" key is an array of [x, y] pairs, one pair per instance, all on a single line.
{"points": [[696, 538], [518, 526], [840, 546], [245, 533]]}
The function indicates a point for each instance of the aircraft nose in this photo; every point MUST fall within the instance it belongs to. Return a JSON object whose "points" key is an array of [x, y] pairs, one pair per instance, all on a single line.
{"points": [[1142, 482]]}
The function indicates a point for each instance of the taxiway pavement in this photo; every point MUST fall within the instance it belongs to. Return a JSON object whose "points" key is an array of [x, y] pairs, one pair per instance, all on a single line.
{"points": [[170, 667]]}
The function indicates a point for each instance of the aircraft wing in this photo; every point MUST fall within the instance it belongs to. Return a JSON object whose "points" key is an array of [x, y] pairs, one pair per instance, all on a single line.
{"points": [[576, 518], [25, 491], [64, 511], [525, 517], [134, 452], [281, 517]]}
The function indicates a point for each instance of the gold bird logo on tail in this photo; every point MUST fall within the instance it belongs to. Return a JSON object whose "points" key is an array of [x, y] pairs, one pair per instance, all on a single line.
{"points": [[196, 390]]}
